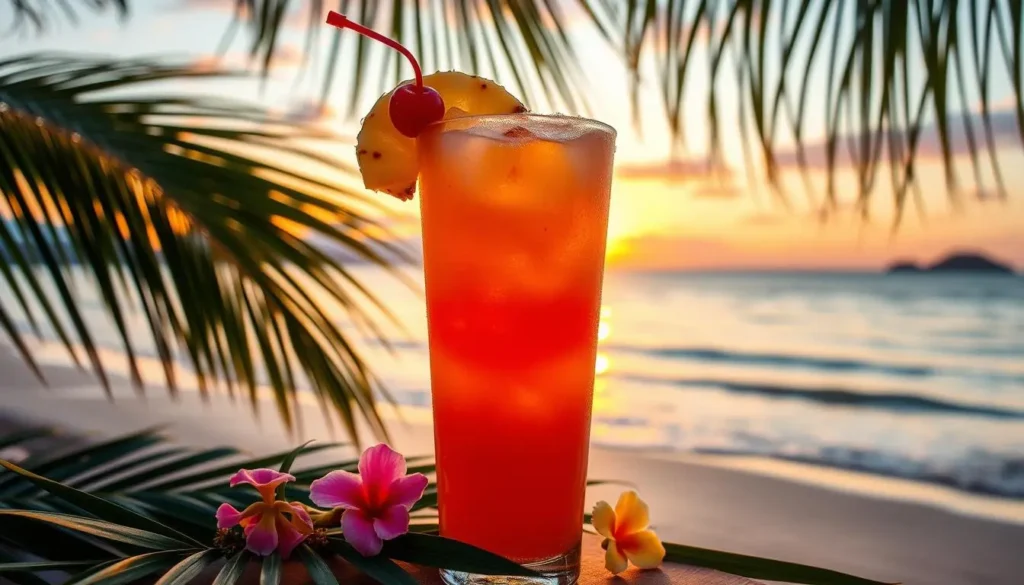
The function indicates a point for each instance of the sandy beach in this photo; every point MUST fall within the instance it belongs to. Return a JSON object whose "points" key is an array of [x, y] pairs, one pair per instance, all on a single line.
{"points": [[868, 528]]}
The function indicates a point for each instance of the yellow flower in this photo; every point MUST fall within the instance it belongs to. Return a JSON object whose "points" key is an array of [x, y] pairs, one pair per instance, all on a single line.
{"points": [[627, 534]]}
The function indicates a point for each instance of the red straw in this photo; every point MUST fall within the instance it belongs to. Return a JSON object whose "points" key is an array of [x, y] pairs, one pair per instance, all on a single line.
{"points": [[341, 21]]}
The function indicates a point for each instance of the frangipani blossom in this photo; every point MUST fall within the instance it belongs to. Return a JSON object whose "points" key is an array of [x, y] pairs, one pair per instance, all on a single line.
{"points": [[376, 502], [270, 524], [627, 533]]}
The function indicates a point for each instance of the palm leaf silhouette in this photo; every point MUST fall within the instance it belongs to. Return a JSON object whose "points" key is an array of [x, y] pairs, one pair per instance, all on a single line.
{"points": [[177, 207], [877, 77]]}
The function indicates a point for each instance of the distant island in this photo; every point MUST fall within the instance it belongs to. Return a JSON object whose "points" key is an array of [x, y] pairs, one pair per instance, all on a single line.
{"points": [[963, 262]]}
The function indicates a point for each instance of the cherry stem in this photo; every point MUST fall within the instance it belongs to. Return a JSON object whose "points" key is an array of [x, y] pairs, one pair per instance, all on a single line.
{"points": [[341, 21]]}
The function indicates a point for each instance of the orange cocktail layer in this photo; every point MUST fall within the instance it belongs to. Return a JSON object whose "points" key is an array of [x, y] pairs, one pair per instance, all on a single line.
{"points": [[514, 235]]}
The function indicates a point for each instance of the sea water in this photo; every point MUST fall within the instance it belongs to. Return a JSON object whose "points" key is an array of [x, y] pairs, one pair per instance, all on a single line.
{"points": [[912, 376]]}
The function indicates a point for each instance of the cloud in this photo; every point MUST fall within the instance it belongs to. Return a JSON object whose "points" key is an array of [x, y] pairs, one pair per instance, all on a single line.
{"points": [[676, 170], [1004, 130]]}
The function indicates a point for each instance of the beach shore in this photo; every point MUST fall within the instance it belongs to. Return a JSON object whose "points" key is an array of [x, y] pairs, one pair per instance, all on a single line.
{"points": [[870, 527]]}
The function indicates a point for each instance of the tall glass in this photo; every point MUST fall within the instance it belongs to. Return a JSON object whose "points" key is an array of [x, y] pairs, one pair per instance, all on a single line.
{"points": [[515, 217]]}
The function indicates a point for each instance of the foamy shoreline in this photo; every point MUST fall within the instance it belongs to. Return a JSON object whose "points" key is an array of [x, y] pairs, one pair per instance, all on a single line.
{"points": [[877, 527]]}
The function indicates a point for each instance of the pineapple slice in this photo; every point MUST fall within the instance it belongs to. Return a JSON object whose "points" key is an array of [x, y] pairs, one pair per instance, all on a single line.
{"points": [[388, 160]]}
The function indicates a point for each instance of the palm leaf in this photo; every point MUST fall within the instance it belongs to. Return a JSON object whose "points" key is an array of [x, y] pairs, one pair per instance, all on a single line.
{"points": [[178, 207], [150, 484], [233, 569], [270, 572], [131, 569], [99, 528], [41, 15], [98, 506], [760, 568], [873, 113], [318, 570], [489, 37], [188, 568], [381, 569], [436, 551]]}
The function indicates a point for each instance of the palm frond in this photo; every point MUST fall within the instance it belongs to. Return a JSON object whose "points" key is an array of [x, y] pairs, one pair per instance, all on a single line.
{"points": [[877, 76], [180, 208], [149, 477], [524, 43], [40, 15], [834, 86]]}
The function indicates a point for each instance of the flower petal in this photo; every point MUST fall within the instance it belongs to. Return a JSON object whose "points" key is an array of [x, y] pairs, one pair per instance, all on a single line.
{"points": [[261, 536], [406, 491], [614, 560], [379, 466], [603, 519], [338, 489], [300, 518], [228, 516], [392, 522], [264, 480], [631, 514], [358, 531], [288, 537], [643, 549]]}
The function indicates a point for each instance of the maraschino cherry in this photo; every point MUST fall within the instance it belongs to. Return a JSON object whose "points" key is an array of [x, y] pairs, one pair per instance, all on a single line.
{"points": [[413, 106]]}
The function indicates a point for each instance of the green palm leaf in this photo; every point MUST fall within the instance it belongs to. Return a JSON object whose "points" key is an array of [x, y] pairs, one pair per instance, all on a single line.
{"points": [[131, 569], [233, 569], [381, 569], [491, 37], [100, 529], [37, 566], [770, 59], [189, 568], [98, 506], [176, 206], [318, 570], [41, 14], [760, 568], [270, 572], [148, 483]]}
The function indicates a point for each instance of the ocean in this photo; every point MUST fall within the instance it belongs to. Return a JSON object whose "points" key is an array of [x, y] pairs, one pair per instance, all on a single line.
{"points": [[919, 377]]}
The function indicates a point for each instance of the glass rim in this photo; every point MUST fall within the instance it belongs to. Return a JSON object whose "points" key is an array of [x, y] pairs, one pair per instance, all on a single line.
{"points": [[575, 120]]}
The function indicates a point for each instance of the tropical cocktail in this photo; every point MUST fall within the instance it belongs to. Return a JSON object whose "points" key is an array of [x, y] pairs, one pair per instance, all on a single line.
{"points": [[515, 213], [515, 210]]}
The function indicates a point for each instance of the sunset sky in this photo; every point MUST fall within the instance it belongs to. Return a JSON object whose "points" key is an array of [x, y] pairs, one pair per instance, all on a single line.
{"points": [[667, 211]]}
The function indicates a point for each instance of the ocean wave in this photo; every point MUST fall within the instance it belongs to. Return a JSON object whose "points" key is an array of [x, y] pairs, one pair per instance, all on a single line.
{"points": [[830, 364], [895, 401], [768, 359], [990, 474]]}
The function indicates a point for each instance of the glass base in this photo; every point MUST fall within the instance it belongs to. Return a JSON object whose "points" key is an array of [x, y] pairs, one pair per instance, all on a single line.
{"points": [[561, 570]]}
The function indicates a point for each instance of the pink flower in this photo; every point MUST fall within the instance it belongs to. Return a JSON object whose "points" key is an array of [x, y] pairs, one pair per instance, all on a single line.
{"points": [[271, 524], [376, 502]]}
